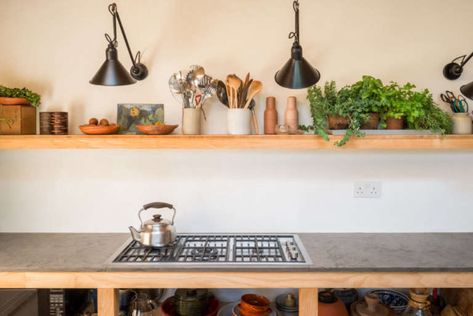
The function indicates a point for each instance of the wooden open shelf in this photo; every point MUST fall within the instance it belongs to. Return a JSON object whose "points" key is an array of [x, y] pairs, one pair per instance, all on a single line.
{"points": [[253, 142]]}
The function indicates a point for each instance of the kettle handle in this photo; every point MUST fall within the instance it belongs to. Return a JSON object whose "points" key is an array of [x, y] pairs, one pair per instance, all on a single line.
{"points": [[157, 205]]}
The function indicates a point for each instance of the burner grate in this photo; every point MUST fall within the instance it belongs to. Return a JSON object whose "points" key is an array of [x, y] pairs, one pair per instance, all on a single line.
{"points": [[218, 248]]}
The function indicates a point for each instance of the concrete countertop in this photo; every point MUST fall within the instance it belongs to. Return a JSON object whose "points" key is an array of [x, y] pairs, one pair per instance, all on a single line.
{"points": [[329, 252]]}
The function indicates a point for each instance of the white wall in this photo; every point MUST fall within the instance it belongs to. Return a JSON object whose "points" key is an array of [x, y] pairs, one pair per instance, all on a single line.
{"points": [[55, 47]]}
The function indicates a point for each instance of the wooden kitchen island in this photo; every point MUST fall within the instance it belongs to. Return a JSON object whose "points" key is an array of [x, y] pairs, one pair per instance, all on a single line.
{"points": [[338, 260]]}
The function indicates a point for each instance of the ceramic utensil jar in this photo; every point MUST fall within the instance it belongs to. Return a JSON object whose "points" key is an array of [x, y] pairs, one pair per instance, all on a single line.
{"points": [[191, 121], [292, 115], [462, 124], [239, 121], [270, 116]]}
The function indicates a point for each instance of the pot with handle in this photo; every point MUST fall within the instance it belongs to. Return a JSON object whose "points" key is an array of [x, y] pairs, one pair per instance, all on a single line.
{"points": [[156, 232]]}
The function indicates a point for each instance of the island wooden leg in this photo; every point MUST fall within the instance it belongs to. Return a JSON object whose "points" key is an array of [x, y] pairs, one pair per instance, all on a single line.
{"points": [[107, 302], [308, 302]]}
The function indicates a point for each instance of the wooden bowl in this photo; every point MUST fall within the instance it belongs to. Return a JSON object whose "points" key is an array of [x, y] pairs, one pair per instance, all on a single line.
{"points": [[161, 129], [254, 305], [13, 101], [99, 129]]}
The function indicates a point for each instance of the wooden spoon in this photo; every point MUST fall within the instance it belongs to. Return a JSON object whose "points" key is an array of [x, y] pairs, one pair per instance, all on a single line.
{"points": [[235, 84], [255, 87]]}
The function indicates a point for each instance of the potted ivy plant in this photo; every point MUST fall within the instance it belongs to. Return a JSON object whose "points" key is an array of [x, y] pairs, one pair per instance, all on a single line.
{"points": [[332, 109]]}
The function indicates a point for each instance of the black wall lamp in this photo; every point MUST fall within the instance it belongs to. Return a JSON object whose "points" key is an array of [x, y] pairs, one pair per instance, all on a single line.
{"points": [[454, 70], [297, 73], [112, 72]]}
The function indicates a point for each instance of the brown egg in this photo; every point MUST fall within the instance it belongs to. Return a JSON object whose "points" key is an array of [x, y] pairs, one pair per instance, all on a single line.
{"points": [[104, 122], [93, 121]]}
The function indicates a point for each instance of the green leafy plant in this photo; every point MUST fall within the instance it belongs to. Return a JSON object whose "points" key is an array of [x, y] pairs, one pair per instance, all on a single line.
{"points": [[369, 95], [331, 102], [29, 95]]}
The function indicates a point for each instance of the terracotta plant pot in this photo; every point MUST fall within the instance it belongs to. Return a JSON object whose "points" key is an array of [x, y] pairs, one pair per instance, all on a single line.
{"points": [[13, 101], [337, 122], [394, 123], [372, 122], [330, 305]]}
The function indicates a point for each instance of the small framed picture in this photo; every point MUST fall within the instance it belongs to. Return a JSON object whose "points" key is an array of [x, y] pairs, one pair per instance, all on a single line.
{"points": [[131, 114]]}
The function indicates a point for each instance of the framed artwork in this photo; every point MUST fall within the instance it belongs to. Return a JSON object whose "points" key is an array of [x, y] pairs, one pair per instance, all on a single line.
{"points": [[131, 114]]}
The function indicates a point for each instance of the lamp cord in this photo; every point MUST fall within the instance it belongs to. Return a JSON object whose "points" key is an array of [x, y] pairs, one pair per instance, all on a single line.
{"points": [[112, 8], [295, 35]]}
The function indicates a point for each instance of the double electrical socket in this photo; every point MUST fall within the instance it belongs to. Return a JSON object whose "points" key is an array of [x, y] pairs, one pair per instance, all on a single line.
{"points": [[367, 189]]}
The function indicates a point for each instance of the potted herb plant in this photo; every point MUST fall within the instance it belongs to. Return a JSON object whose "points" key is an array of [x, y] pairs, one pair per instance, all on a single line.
{"points": [[18, 111]]}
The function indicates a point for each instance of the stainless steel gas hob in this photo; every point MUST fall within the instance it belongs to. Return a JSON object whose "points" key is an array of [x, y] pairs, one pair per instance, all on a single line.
{"points": [[217, 250]]}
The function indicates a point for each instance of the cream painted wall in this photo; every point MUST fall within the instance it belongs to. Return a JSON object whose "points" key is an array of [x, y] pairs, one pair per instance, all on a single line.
{"points": [[55, 47]]}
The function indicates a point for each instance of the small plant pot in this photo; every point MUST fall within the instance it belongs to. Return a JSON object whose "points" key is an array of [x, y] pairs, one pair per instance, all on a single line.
{"points": [[191, 124], [372, 122], [239, 121], [395, 123], [462, 124], [337, 122]]}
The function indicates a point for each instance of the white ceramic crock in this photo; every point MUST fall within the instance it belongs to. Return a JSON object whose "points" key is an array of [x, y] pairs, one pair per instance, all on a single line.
{"points": [[462, 124], [191, 121], [239, 121]]}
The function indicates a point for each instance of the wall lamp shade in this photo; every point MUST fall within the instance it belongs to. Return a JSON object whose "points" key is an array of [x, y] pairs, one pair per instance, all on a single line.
{"points": [[467, 90], [297, 73], [454, 70], [112, 72]]}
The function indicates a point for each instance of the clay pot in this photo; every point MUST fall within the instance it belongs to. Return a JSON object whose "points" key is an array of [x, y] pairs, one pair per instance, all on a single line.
{"points": [[370, 306], [372, 122], [254, 305], [394, 123], [337, 122], [13, 101], [330, 305]]}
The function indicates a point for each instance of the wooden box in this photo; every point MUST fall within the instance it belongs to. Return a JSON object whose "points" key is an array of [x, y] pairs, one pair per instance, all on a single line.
{"points": [[17, 120]]}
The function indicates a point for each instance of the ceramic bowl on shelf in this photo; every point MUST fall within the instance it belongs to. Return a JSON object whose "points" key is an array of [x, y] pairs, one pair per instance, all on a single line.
{"points": [[160, 129], [396, 300], [99, 129], [168, 307]]}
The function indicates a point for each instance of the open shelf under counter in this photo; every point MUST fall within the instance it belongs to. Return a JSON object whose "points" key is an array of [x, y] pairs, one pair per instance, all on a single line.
{"points": [[229, 142]]}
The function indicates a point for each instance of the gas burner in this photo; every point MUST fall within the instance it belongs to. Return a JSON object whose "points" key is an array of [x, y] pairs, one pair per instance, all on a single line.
{"points": [[204, 254], [207, 249]]}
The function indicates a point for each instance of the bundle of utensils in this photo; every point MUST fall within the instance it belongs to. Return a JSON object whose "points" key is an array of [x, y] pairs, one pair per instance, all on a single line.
{"points": [[239, 93], [458, 104], [192, 88]]}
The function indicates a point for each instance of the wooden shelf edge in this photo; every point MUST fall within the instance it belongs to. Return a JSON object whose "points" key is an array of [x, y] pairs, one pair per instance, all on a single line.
{"points": [[228, 142]]}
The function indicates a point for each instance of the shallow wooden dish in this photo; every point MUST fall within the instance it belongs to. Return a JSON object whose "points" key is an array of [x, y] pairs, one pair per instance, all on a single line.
{"points": [[162, 129], [99, 129]]}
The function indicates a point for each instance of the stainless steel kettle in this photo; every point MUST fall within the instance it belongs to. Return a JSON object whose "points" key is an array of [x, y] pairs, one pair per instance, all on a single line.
{"points": [[156, 232]]}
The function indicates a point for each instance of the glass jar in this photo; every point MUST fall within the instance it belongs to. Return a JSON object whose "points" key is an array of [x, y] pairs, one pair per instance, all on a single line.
{"points": [[419, 304]]}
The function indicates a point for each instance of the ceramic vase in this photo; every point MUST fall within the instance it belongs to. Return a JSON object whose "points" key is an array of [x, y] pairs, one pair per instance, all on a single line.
{"points": [[270, 116], [292, 115], [191, 121], [239, 121], [461, 124]]}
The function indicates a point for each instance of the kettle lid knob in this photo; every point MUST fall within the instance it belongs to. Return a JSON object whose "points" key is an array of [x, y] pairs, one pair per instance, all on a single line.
{"points": [[157, 218]]}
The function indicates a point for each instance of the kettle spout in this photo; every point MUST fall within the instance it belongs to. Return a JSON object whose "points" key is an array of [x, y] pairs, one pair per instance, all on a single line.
{"points": [[135, 234]]}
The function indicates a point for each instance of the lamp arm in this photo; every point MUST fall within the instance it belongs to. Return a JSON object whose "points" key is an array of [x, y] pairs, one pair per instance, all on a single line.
{"points": [[466, 60], [117, 17]]}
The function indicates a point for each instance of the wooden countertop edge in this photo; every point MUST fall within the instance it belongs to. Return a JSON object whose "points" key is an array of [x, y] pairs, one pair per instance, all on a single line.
{"points": [[194, 279]]}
